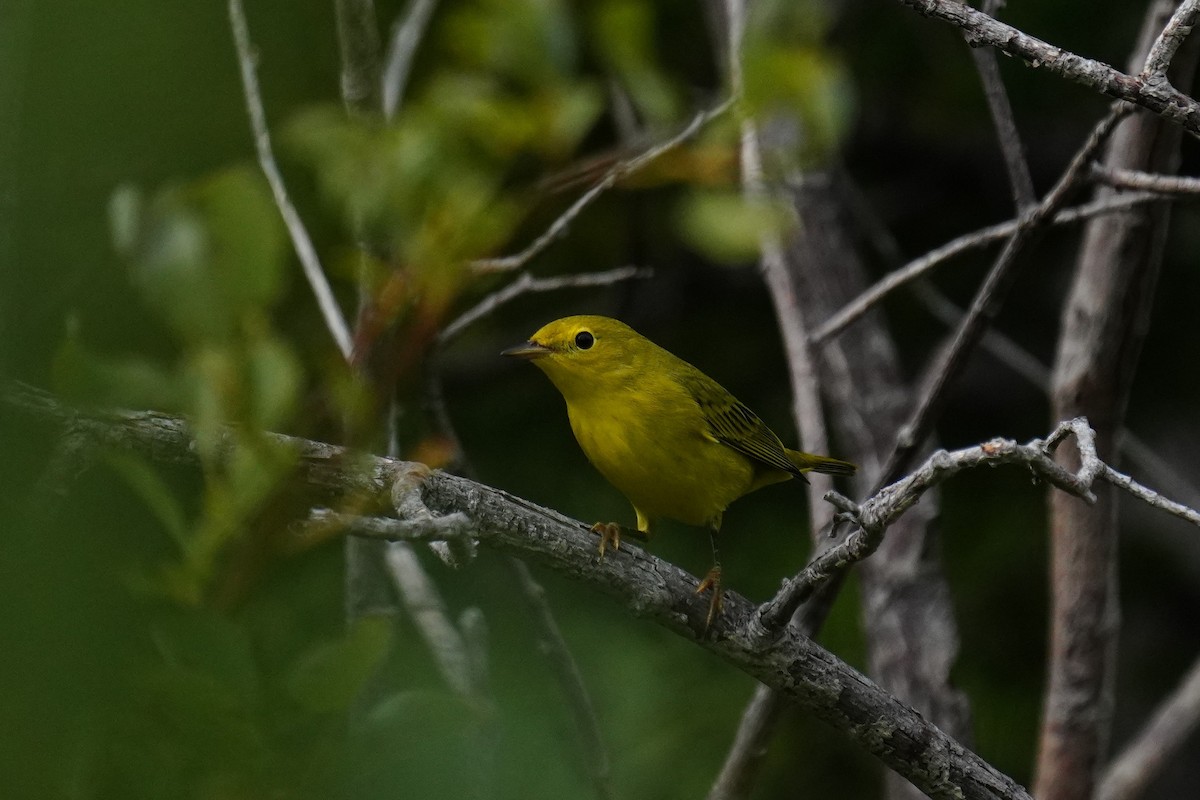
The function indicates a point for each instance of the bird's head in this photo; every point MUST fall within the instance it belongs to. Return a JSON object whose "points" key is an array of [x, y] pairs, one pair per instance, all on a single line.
{"points": [[584, 353]]}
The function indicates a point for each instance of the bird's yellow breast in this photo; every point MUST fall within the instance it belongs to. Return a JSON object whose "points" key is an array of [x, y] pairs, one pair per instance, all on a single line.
{"points": [[651, 443]]}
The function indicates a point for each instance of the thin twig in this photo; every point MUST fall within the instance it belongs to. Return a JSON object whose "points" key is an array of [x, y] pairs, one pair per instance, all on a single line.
{"points": [[554, 647], [618, 171], [874, 516], [551, 642], [1025, 364], [1158, 59], [425, 606], [1156, 95], [528, 284], [1149, 496], [428, 529], [859, 306], [1145, 181], [759, 719], [301, 242], [988, 299], [406, 36], [1007, 134], [358, 43]]}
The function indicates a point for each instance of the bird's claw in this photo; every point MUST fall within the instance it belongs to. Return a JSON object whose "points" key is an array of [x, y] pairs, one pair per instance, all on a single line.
{"points": [[609, 532], [712, 581]]}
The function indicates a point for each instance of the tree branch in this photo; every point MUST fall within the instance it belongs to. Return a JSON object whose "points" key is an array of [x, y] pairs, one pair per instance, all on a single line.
{"points": [[618, 171], [859, 306], [406, 36], [642, 584], [1145, 181], [335, 321], [1150, 92], [987, 301]]}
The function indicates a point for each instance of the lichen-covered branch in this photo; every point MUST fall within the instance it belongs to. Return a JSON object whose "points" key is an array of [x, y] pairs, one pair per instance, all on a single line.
{"points": [[1150, 92]]}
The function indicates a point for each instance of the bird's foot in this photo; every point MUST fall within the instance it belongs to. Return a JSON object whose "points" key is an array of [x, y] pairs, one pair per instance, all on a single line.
{"points": [[609, 532], [712, 581]]}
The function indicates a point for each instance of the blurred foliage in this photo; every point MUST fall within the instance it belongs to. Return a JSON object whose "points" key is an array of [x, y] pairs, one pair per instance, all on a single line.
{"points": [[168, 634]]}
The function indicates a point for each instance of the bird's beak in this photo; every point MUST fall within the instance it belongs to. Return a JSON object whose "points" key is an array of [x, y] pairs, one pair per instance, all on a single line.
{"points": [[528, 351]]}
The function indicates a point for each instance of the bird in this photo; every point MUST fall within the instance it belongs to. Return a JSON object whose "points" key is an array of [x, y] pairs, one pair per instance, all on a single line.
{"points": [[671, 439]]}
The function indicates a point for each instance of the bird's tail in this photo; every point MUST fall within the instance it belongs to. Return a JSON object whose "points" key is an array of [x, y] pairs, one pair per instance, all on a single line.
{"points": [[807, 462]]}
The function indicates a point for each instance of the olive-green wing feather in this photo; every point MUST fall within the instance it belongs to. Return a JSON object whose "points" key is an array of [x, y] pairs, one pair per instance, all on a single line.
{"points": [[730, 422]]}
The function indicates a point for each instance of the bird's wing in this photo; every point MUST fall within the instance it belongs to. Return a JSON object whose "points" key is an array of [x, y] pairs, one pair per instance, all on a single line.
{"points": [[733, 424]]}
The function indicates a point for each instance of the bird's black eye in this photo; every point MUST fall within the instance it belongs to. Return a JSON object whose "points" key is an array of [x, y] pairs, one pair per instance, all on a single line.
{"points": [[584, 340]]}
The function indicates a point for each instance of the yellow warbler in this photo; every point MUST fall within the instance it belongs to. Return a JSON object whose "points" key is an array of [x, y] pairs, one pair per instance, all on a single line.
{"points": [[670, 438]]}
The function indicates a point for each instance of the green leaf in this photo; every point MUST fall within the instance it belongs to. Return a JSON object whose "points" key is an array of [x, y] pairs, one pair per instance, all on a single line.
{"points": [[727, 227], [330, 675], [203, 255], [274, 382]]}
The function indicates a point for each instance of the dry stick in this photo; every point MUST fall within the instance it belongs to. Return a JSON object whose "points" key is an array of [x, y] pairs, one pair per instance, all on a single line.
{"points": [[1002, 117], [552, 644], [1145, 181], [528, 284], [875, 515], [758, 722], [1104, 321], [550, 639], [988, 299], [1168, 42], [406, 36], [642, 584], [953, 358], [906, 604], [859, 306], [301, 242], [1154, 94], [618, 171], [554, 647], [1023, 363], [1129, 774], [358, 42]]}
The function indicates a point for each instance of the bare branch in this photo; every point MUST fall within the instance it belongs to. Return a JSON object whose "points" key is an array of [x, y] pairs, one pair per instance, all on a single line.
{"points": [[645, 585], [331, 312], [1145, 181], [420, 529], [1155, 95], [1158, 60], [406, 37], [757, 725], [642, 584], [554, 647], [1149, 496], [1142, 759], [988, 299], [550, 639], [527, 284], [618, 171], [358, 40], [425, 606], [855, 309], [1007, 134], [1104, 322], [874, 516]]}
